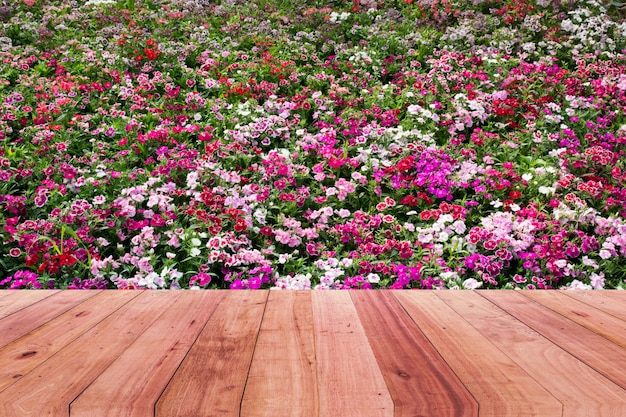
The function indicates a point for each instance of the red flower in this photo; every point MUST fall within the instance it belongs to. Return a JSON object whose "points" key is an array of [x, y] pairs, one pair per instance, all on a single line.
{"points": [[266, 231], [406, 163], [240, 225], [150, 54], [410, 200], [64, 259], [31, 259], [514, 195]]}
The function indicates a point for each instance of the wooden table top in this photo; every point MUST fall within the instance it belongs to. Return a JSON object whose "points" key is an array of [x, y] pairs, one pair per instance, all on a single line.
{"points": [[329, 354]]}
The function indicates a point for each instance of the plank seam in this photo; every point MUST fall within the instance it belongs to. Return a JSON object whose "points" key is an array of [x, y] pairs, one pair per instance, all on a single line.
{"points": [[70, 342], [574, 321], [504, 352], [191, 345], [256, 340], [26, 306], [51, 319], [439, 353], [69, 405], [567, 293], [373, 352], [583, 360]]}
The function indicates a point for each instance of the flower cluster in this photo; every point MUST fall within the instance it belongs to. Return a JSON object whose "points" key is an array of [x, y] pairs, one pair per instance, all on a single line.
{"points": [[366, 144]]}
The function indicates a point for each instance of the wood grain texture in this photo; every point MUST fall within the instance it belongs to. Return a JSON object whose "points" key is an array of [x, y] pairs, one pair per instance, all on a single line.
{"points": [[283, 378], [318, 354], [211, 379], [419, 380], [599, 353], [147, 365], [18, 358], [29, 318], [350, 382], [583, 391], [598, 321], [17, 300], [491, 376], [71, 370], [612, 302]]}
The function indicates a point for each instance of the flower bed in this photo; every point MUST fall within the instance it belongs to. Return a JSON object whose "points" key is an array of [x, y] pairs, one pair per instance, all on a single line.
{"points": [[369, 144]]}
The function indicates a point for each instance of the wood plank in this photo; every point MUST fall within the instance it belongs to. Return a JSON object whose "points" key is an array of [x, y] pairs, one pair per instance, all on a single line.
{"points": [[21, 299], [419, 380], [212, 377], [284, 360], [583, 391], [499, 385], [598, 321], [148, 364], [350, 381], [599, 353], [48, 389], [24, 354], [29, 318], [609, 301]]}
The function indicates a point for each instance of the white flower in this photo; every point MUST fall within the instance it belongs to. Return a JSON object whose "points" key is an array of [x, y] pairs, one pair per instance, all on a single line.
{"points": [[459, 227], [99, 2], [546, 190], [413, 109], [373, 278], [597, 281], [471, 284], [561, 263], [577, 285], [425, 238], [443, 237], [590, 262]]}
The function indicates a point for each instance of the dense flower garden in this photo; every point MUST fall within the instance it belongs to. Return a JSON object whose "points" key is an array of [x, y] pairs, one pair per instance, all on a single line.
{"points": [[312, 144]]}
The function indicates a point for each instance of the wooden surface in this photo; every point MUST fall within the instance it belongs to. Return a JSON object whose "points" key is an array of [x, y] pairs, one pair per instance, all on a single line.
{"points": [[289, 386], [275, 353]]}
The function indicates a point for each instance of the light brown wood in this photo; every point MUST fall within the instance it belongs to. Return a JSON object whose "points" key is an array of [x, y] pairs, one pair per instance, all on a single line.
{"points": [[31, 317], [18, 358], [419, 380], [604, 324], [599, 353], [283, 380], [147, 365], [609, 301], [350, 381], [17, 300], [211, 379], [583, 391], [491, 376], [71, 370], [257, 355]]}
